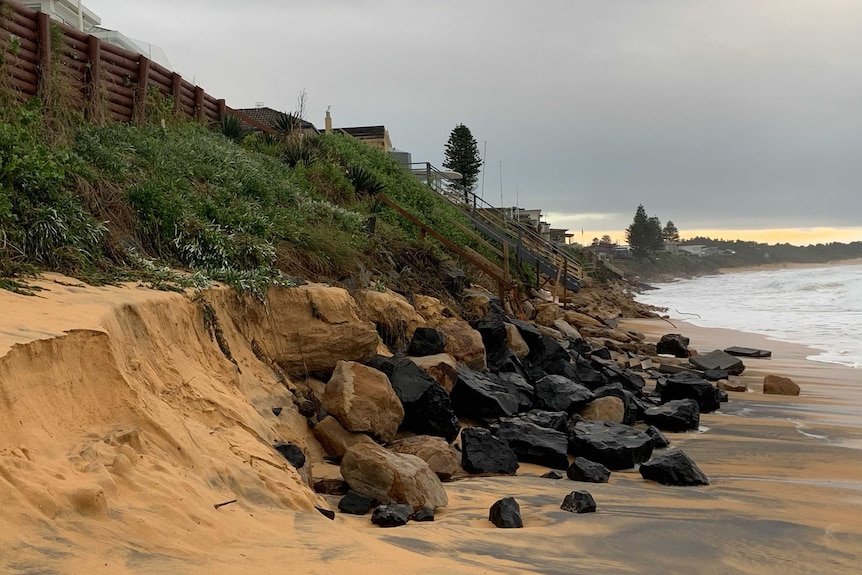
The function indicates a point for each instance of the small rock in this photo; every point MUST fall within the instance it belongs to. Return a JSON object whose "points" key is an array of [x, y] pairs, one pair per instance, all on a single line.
{"points": [[673, 344], [291, 452], [355, 503], [659, 441], [276, 411], [424, 514], [553, 474], [579, 502], [583, 469], [718, 359], [329, 514], [506, 514], [778, 385], [674, 468], [727, 385], [331, 486], [392, 515]]}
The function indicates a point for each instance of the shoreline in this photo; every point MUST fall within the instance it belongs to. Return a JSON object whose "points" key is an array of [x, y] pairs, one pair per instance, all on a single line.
{"points": [[789, 266]]}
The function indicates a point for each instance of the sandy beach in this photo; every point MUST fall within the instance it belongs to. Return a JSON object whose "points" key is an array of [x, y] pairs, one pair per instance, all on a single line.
{"points": [[789, 266], [80, 366]]}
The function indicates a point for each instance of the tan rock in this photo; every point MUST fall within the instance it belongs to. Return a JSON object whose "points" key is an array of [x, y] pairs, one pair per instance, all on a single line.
{"points": [[442, 367], [475, 305], [604, 409], [434, 451], [336, 440], [550, 332], [516, 342], [580, 319], [388, 476], [306, 330], [464, 344], [779, 385], [433, 311], [393, 315], [547, 314], [362, 400], [566, 329], [727, 385]]}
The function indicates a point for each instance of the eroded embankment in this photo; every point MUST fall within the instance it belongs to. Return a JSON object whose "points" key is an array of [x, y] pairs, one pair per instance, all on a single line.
{"points": [[119, 438]]}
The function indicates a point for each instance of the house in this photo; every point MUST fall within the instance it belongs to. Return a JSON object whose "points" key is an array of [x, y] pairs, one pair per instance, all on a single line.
{"points": [[560, 236], [263, 116], [74, 14], [374, 136], [69, 12]]}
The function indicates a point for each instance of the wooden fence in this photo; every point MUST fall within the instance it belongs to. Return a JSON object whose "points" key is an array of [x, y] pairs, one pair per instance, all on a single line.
{"points": [[38, 57]]}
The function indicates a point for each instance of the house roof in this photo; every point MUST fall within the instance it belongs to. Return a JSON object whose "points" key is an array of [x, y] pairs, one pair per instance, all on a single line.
{"points": [[268, 116], [365, 131]]}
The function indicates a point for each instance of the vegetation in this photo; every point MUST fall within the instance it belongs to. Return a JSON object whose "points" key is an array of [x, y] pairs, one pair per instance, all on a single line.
{"points": [[462, 156], [644, 235]]}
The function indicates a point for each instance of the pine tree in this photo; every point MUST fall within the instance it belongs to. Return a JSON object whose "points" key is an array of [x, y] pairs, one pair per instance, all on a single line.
{"points": [[644, 235], [462, 156], [670, 233]]}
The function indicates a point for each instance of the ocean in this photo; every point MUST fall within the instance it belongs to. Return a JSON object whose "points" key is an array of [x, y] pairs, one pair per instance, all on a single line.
{"points": [[819, 307]]}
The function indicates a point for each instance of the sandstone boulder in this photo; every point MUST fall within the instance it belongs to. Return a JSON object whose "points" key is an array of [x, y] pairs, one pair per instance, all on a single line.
{"points": [[392, 477], [607, 408], [362, 400], [776, 384], [336, 440], [579, 320], [395, 318], [442, 367], [433, 450], [566, 329], [728, 385], [464, 344], [547, 314], [516, 342]]}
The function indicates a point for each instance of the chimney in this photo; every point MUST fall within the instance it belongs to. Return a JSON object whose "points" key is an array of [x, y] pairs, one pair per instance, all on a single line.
{"points": [[328, 124]]}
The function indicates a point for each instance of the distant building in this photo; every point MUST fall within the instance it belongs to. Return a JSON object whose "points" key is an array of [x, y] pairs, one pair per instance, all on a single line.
{"points": [[374, 136], [264, 116], [560, 236]]}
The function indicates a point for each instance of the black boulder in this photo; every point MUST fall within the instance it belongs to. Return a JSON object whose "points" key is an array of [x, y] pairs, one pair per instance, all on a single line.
{"points": [[674, 468], [506, 514]]}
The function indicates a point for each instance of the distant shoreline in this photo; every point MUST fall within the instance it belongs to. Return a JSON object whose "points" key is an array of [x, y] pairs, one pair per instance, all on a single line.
{"points": [[790, 266]]}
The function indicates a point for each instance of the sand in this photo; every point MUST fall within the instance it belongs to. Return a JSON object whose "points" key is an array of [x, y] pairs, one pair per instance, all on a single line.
{"points": [[122, 424], [790, 266]]}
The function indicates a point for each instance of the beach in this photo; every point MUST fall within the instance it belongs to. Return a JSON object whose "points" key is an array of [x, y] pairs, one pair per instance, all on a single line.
{"points": [[80, 365]]}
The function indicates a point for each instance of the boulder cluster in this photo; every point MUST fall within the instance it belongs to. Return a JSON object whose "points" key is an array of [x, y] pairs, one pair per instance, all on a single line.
{"points": [[480, 395]]}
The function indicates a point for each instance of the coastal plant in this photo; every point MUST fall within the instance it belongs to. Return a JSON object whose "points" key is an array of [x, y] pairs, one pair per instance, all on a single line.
{"points": [[232, 128]]}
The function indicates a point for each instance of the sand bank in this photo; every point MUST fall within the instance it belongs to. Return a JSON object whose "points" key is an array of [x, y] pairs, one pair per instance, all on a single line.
{"points": [[81, 366], [789, 266]]}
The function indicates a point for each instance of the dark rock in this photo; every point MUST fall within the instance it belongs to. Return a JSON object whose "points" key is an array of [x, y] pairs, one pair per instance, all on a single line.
{"points": [[627, 378], [585, 470], [481, 452], [480, 395], [673, 344], [553, 474], [424, 514], [291, 452], [722, 395], [519, 388], [392, 515], [688, 386], [493, 330], [674, 468], [534, 444], [428, 409], [747, 352], [331, 486], [676, 415], [426, 341], [715, 374], [328, 513], [306, 408], [601, 353], [506, 514], [558, 393], [659, 441], [579, 502], [614, 445], [584, 373], [355, 503], [276, 411], [551, 419], [718, 360]]}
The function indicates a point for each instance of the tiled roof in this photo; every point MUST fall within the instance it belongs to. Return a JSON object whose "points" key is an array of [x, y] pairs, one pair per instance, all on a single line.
{"points": [[268, 116]]}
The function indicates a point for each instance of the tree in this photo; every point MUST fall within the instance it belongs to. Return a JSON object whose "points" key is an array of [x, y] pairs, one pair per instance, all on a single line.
{"points": [[644, 235], [606, 239], [462, 156], [670, 233]]}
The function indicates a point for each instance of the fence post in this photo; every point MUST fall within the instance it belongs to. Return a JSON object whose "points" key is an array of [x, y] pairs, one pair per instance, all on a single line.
{"points": [[222, 110], [176, 83], [43, 41], [93, 77], [141, 90], [199, 104]]}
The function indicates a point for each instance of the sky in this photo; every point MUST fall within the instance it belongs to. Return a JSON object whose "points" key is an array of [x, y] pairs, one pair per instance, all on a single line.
{"points": [[739, 119]]}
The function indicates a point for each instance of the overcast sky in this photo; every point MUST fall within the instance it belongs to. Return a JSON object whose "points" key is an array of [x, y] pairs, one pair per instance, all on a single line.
{"points": [[716, 114]]}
